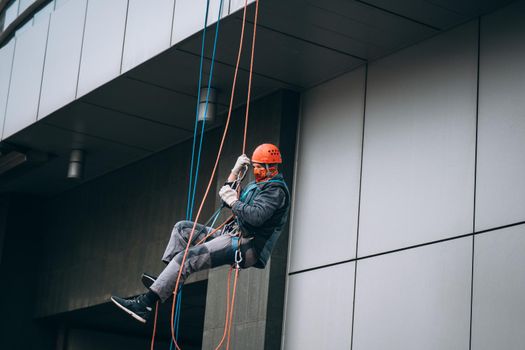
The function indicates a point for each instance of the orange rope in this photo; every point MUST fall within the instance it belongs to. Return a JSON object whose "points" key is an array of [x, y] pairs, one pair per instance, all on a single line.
{"points": [[231, 309], [211, 177], [215, 230], [227, 309], [250, 77], [229, 312], [156, 305], [152, 346]]}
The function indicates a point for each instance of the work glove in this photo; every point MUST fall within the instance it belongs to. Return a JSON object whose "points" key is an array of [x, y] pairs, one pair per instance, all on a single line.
{"points": [[228, 195], [241, 162]]}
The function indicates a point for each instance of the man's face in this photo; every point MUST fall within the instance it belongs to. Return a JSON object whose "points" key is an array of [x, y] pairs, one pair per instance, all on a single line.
{"points": [[259, 171]]}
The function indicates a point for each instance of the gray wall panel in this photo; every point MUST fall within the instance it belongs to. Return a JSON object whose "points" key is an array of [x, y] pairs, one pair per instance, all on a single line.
{"points": [[190, 14], [24, 4], [419, 146], [319, 309], [26, 78], [64, 46], [60, 3], [11, 12], [103, 41], [498, 310], [500, 188], [415, 299], [6, 61], [148, 31], [325, 213]]}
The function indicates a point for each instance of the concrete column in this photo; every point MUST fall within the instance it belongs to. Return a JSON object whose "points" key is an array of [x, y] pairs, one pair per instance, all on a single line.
{"points": [[257, 322]]}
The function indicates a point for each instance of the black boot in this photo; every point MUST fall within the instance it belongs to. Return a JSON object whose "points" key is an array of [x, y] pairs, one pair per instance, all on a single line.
{"points": [[136, 307]]}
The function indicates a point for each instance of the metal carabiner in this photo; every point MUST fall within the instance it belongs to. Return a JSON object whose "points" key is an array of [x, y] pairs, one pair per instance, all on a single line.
{"points": [[238, 258], [240, 176]]}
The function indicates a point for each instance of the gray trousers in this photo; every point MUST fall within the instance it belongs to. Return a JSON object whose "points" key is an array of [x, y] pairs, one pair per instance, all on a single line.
{"points": [[216, 251]]}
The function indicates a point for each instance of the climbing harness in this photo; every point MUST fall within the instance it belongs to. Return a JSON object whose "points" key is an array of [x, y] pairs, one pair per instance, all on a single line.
{"points": [[238, 256]]}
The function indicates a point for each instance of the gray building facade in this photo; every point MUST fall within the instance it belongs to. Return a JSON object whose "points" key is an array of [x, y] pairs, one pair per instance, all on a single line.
{"points": [[402, 130]]}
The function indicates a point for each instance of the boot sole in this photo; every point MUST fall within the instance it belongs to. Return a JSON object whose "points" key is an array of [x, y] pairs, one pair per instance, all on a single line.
{"points": [[134, 315]]}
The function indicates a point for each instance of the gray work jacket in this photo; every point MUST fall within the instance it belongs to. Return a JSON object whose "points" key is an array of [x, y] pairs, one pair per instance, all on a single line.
{"points": [[262, 211]]}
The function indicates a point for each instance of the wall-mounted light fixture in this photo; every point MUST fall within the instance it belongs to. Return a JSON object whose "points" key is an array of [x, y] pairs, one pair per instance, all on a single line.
{"points": [[11, 160], [212, 102], [76, 164]]}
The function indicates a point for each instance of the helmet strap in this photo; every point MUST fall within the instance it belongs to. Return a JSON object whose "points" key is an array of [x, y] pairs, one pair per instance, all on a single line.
{"points": [[266, 174], [270, 171]]}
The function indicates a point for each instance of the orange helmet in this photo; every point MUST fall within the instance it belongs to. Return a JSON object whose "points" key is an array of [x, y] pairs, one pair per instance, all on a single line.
{"points": [[267, 154]]}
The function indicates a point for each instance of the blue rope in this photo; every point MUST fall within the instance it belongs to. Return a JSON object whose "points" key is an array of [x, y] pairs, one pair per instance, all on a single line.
{"points": [[218, 213], [195, 128], [191, 191], [206, 107], [190, 195]]}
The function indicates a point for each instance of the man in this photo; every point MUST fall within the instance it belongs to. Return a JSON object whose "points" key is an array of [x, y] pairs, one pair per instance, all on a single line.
{"points": [[260, 215]]}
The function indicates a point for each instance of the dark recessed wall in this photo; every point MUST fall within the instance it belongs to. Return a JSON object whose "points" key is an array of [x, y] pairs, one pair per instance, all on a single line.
{"points": [[22, 237], [73, 251]]}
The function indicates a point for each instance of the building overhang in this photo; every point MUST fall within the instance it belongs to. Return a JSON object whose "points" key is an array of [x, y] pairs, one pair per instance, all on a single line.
{"points": [[300, 44]]}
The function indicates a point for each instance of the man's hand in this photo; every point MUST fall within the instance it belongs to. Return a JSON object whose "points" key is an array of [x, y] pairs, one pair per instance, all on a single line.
{"points": [[241, 162], [228, 195]]}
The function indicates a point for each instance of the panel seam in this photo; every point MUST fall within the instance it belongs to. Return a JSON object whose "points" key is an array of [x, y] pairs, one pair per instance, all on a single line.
{"points": [[362, 59], [43, 66], [124, 38], [398, 15], [81, 48], [172, 22], [97, 137], [136, 116], [410, 247], [287, 83], [359, 203], [475, 184]]}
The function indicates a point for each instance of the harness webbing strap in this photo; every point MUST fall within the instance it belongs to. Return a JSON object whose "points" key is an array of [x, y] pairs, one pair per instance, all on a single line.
{"points": [[235, 243], [255, 185]]}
